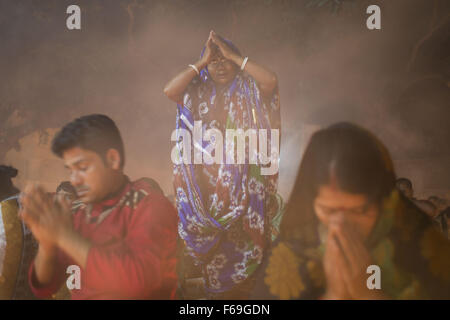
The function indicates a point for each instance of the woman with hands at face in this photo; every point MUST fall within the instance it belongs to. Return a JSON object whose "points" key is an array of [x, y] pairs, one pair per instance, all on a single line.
{"points": [[345, 263], [344, 216]]}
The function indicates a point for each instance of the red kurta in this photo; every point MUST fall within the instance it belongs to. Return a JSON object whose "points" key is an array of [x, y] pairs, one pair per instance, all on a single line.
{"points": [[133, 253]]}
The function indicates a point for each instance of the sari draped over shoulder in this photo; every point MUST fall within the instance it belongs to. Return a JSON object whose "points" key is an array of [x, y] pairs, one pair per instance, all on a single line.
{"points": [[413, 256], [225, 209]]}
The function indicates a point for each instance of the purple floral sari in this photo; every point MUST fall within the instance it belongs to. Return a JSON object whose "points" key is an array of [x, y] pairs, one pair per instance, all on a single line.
{"points": [[226, 210]]}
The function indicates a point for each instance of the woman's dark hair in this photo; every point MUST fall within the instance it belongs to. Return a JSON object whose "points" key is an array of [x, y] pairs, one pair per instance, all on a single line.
{"points": [[7, 188], [355, 158], [95, 132]]}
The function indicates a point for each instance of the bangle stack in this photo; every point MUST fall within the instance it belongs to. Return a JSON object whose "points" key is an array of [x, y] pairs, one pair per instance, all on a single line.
{"points": [[244, 63], [195, 69]]}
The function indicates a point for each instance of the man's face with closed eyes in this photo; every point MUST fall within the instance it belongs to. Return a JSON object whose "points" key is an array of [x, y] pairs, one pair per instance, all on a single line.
{"points": [[89, 174]]}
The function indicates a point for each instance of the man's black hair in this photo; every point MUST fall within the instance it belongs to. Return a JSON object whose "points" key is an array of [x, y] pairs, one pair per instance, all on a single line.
{"points": [[95, 132]]}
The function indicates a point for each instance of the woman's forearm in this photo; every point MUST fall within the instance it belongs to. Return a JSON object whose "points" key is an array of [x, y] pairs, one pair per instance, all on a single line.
{"points": [[266, 79], [176, 87]]}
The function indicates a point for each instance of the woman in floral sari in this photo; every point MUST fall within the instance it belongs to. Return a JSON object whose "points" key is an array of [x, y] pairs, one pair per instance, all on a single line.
{"points": [[345, 215], [226, 209]]}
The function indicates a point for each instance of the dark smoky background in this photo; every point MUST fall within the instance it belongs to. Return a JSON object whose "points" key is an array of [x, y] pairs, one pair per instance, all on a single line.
{"points": [[394, 81]]}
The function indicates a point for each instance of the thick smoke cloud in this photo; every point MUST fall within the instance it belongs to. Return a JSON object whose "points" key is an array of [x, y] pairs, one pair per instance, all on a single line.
{"points": [[394, 81]]}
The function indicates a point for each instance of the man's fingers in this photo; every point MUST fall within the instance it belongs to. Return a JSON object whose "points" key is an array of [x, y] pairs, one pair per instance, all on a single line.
{"points": [[43, 198], [62, 205], [29, 188], [29, 219], [59, 198], [37, 206], [65, 205], [30, 206], [36, 197]]}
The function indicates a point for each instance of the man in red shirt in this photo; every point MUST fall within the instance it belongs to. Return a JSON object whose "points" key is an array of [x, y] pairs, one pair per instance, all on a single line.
{"points": [[122, 239]]}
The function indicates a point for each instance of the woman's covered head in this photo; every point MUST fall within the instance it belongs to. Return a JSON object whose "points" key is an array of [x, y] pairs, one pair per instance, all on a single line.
{"points": [[221, 70], [345, 174]]}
